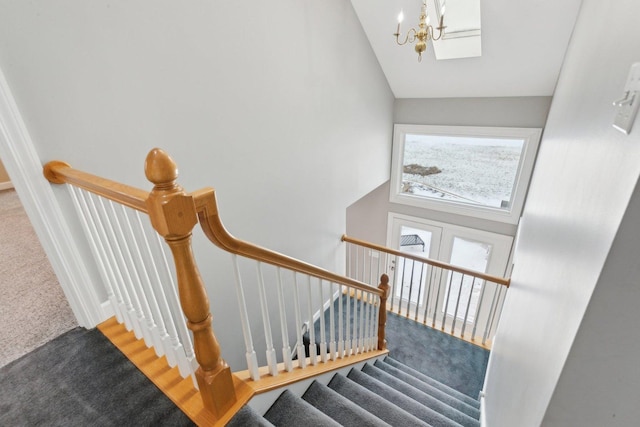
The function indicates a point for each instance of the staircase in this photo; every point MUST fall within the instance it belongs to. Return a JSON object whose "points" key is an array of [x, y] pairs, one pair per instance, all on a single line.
{"points": [[384, 393]]}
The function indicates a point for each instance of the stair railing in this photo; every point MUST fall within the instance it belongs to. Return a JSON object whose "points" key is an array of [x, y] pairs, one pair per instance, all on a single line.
{"points": [[123, 225], [456, 300]]}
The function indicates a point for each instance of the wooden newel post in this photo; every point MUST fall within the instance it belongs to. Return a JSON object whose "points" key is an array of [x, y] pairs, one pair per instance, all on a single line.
{"points": [[173, 215], [382, 315]]}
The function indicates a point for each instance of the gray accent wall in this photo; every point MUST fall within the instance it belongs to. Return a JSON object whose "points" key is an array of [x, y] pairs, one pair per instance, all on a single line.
{"points": [[367, 218]]}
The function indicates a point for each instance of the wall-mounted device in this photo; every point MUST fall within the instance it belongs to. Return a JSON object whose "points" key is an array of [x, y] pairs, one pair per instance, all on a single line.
{"points": [[627, 107]]}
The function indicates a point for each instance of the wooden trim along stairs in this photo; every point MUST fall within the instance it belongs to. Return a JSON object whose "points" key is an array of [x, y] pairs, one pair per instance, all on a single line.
{"points": [[185, 396], [180, 390]]}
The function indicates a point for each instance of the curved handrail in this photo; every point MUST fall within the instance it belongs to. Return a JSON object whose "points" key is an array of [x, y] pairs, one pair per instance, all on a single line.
{"points": [[495, 279], [207, 208], [58, 172]]}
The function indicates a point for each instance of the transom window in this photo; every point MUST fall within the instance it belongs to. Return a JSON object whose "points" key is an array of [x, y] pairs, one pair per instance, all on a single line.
{"points": [[482, 172]]}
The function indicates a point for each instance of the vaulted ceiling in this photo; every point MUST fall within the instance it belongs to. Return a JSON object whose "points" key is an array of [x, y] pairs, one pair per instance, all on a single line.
{"points": [[523, 44]]}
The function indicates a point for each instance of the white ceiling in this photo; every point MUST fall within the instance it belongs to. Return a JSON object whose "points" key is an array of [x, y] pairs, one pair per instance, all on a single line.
{"points": [[523, 46]]}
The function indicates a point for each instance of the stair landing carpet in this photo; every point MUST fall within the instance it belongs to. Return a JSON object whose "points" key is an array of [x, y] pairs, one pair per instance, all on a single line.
{"points": [[81, 379]]}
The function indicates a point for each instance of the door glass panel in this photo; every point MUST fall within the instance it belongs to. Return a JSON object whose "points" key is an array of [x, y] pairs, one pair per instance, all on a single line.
{"points": [[411, 274], [474, 256]]}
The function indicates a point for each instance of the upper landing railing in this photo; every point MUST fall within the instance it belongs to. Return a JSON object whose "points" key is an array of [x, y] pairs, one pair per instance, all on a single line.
{"points": [[346, 317], [456, 300]]}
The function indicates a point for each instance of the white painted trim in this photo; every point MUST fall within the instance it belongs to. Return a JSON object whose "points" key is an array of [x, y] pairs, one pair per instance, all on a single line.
{"points": [[483, 416], [5, 185], [25, 168], [108, 310]]}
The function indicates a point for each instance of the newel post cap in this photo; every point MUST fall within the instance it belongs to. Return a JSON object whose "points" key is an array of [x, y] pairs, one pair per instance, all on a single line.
{"points": [[171, 209], [160, 169]]}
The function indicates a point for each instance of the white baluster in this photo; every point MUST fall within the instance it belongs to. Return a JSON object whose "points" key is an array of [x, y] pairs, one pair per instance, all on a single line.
{"points": [[120, 268], [361, 328], [466, 312], [252, 360], [332, 326], [354, 337], [340, 324], [286, 348], [418, 299], [167, 327], [430, 280], [367, 322], [323, 332], [455, 313], [154, 317], [111, 264], [446, 303], [347, 329], [480, 301], [272, 362], [494, 302], [302, 359], [97, 248], [313, 350], [437, 300], [139, 298]]}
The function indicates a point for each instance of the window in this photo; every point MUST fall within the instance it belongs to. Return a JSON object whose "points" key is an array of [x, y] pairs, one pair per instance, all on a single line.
{"points": [[474, 171]]}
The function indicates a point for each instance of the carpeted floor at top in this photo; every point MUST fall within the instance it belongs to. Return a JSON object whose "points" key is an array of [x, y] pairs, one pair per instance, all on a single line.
{"points": [[81, 379], [450, 360]]}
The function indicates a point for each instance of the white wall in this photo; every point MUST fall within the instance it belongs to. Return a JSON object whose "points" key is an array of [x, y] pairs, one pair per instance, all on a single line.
{"points": [[585, 175], [600, 381], [273, 103], [367, 218]]}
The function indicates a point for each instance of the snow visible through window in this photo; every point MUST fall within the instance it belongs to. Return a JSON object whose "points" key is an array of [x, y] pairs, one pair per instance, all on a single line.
{"points": [[477, 171]]}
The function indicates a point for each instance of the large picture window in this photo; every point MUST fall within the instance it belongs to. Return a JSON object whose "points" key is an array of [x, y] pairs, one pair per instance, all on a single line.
{"points": [[476, 171]]}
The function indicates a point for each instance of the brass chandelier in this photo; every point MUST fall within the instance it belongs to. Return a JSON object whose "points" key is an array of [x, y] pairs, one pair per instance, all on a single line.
{"points": [[424, 33]]}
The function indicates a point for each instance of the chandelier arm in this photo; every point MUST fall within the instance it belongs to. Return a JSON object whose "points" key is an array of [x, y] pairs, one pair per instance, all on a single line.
{"points": [[410, 37], [440, 33]]}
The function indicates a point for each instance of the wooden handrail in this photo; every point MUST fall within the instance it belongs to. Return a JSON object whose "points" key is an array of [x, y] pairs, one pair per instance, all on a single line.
{"points": [[58, 172], [495, 279], [207, 208], [173, 214]]}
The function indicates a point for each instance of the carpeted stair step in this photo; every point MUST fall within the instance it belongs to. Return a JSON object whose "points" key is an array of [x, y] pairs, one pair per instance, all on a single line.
{"points": [[397, 398], [248, 417], [373, 403], [339, 408], [435, 383], [427, 388], [290, 410], [420, 396]]}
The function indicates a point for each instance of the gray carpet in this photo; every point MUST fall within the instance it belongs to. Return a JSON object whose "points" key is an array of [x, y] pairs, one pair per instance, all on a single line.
{"points": [[447, 359], [33, 308], [81, 379], [450, 360]]}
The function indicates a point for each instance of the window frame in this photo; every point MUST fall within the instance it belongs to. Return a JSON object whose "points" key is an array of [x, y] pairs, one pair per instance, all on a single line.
{"points": [[531, 141]]}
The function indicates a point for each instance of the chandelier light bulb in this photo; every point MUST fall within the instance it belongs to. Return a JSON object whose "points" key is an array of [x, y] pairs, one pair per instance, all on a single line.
{"points": [[400, 16]]}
